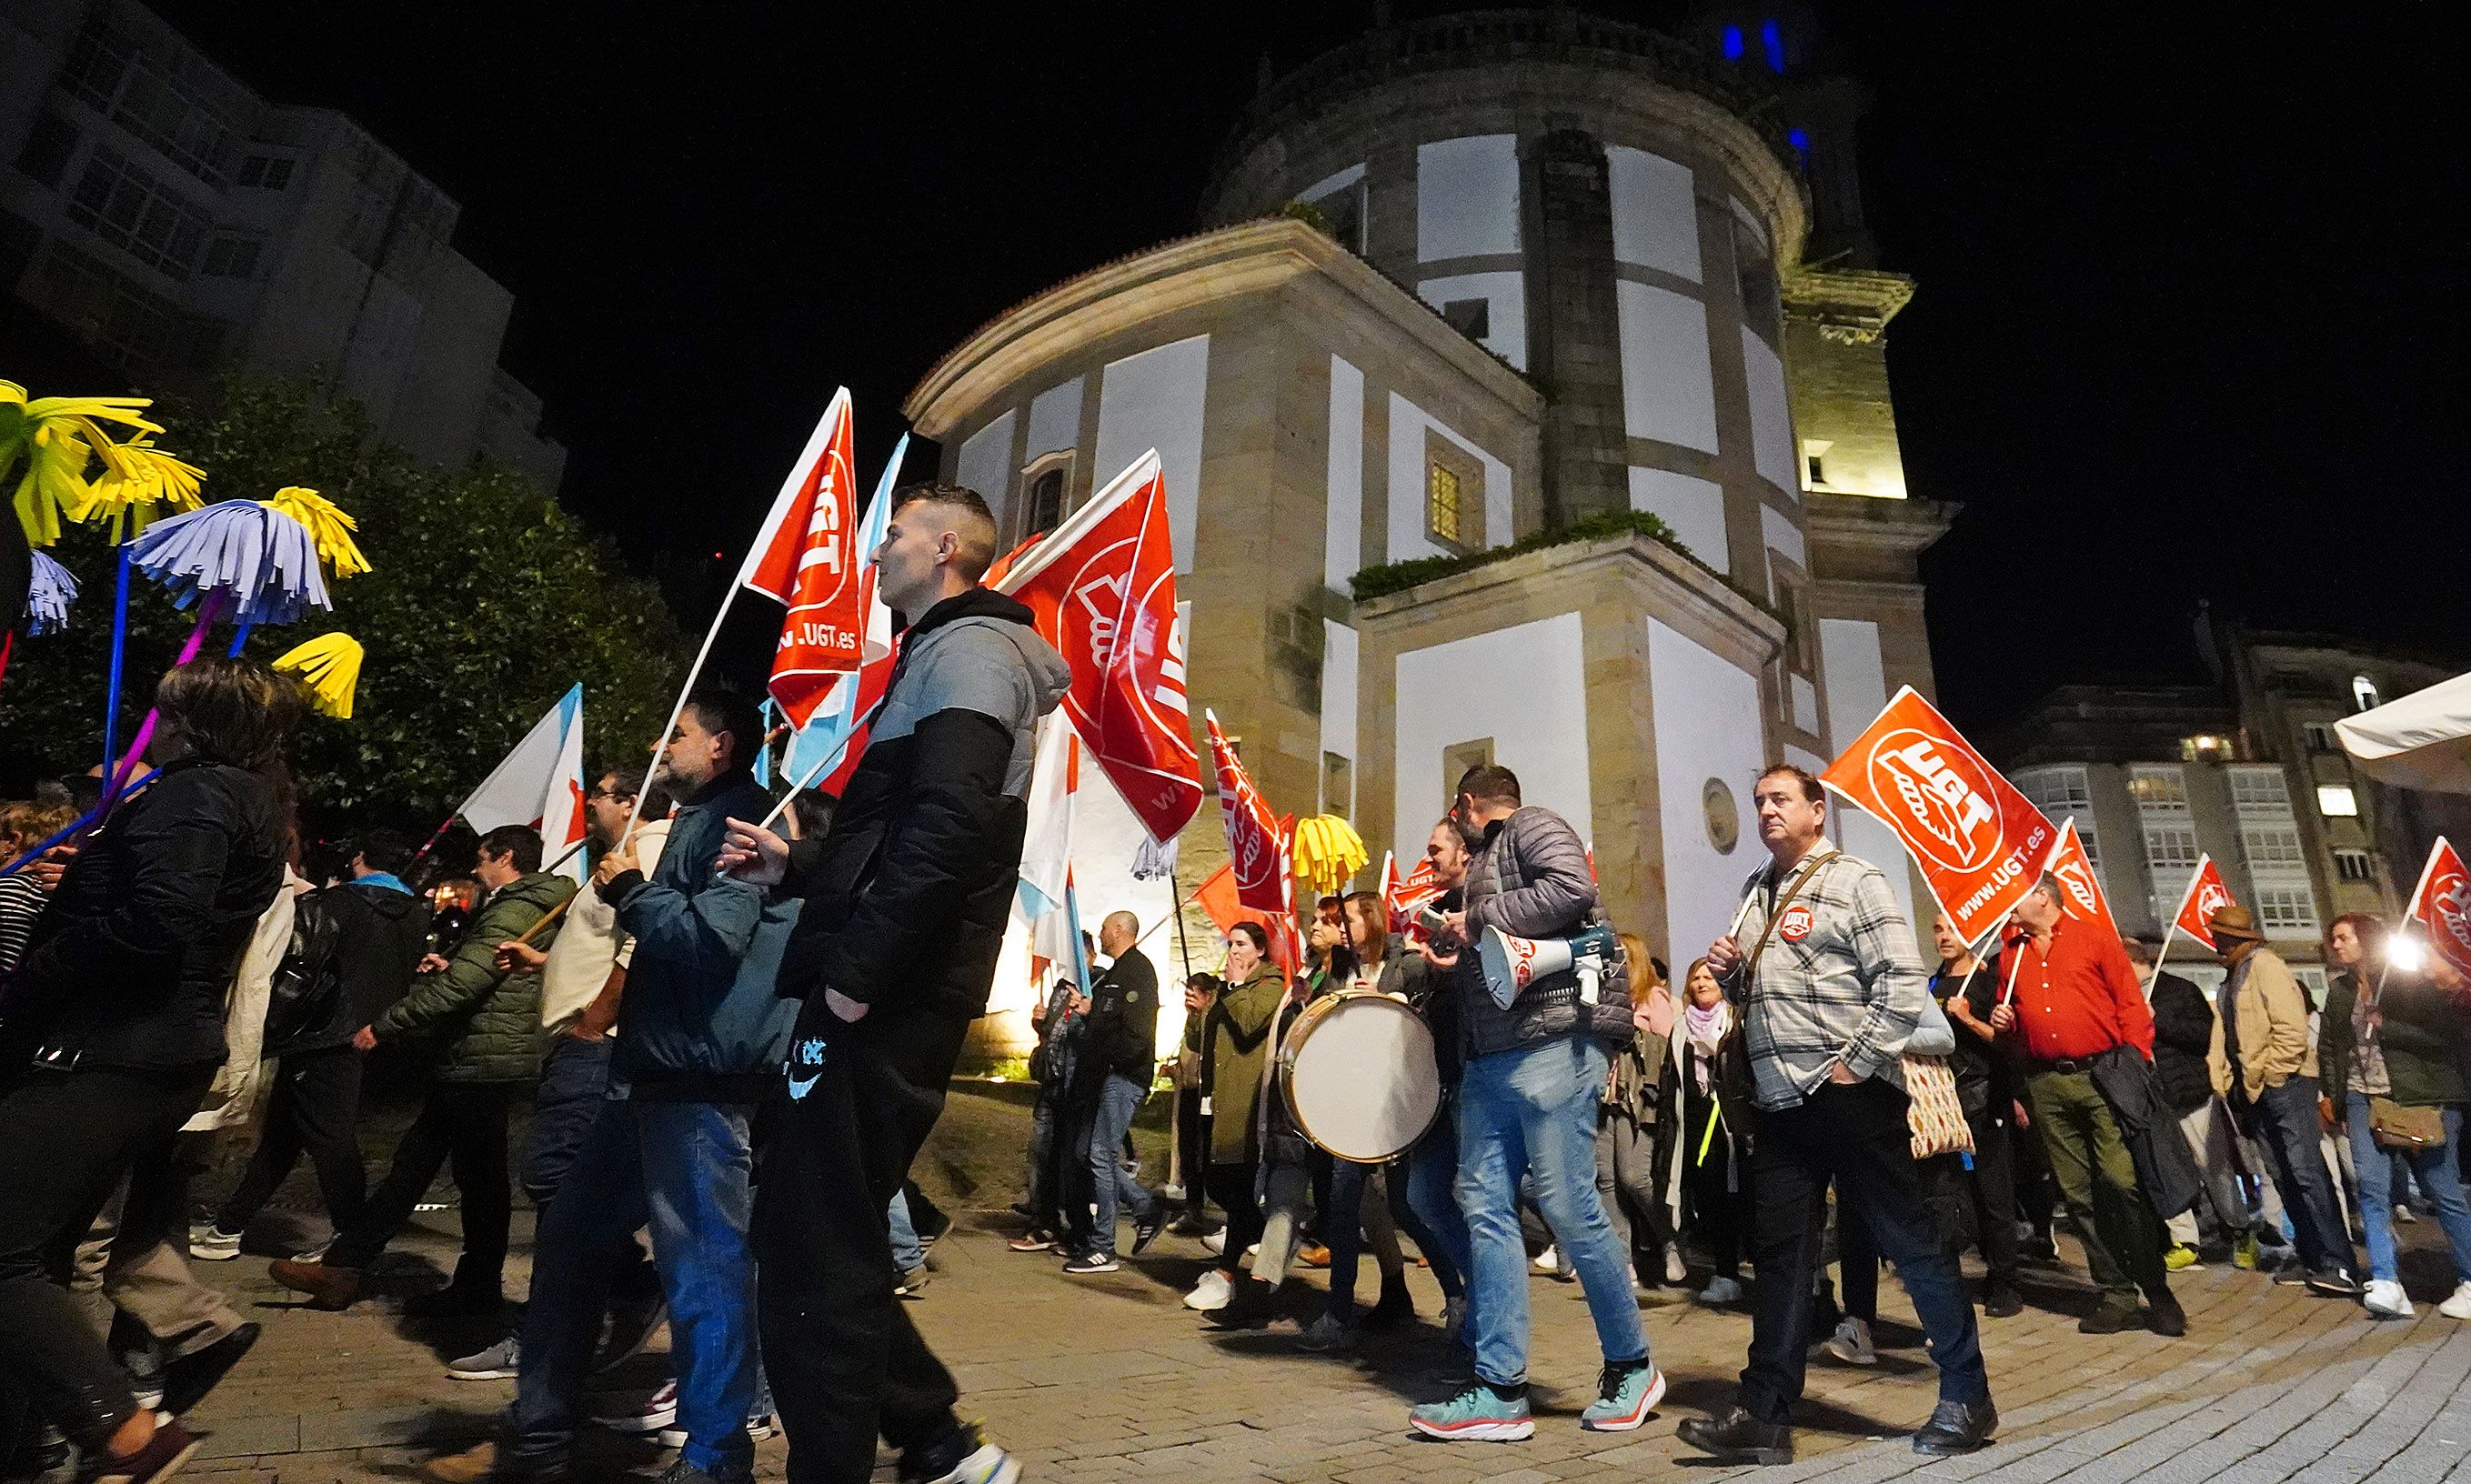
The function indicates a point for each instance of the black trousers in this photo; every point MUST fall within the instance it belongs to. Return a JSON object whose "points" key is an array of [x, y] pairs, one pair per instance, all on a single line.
{"points": [[66, 1142], [314, 1108], [1192, 1141], [1992, 1188], [466, 1123], [1719, 1217], [1855, 1135], [1230, 1185], [844, 1361]]}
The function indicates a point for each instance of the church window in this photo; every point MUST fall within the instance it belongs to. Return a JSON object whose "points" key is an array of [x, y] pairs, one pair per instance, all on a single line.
{"points": [[2364, 692], [1442, 505], [1043, 509]]}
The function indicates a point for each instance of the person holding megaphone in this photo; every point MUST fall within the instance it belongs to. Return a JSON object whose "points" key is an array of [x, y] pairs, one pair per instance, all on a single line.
{"points": [[1538, 1020]]}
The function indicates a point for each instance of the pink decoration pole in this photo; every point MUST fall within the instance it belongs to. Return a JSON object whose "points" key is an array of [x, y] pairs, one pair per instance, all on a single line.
{"points": [[208, 611]]}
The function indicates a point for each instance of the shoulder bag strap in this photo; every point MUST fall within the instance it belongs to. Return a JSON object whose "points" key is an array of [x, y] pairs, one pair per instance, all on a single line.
{"points": [[1775, 913]]}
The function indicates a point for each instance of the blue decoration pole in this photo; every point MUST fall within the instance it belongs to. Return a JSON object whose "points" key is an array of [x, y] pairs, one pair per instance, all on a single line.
{"points": [[240, 636], [119, 647]]}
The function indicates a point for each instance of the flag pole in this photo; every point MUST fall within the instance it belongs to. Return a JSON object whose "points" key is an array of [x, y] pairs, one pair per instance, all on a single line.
{"points": [[1183, 947], [800, 786], [695, 671]]}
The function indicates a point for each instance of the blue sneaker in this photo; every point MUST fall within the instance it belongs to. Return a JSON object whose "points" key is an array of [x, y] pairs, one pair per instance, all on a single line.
{"points": [[1624, 1398], [1475, 1415]]}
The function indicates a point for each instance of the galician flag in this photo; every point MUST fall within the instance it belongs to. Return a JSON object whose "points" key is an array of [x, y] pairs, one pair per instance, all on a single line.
{"points": [[540, 785], [1045, 891]]}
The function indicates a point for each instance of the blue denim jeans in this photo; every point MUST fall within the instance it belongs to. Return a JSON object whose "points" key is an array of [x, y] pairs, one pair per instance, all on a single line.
{"points": [[907, 1254], [1433, 1220], [2438, 1180], [2288, 1126], [573, 1078], [1533, 1109], [1118, 1100], [682, 1169]]}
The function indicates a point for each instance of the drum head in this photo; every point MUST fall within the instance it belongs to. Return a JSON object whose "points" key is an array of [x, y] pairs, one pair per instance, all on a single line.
{"points": [[1361, 1081]]}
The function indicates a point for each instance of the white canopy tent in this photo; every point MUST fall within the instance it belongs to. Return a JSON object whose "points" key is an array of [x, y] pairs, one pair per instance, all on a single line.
{"points": [[2422, 741]]}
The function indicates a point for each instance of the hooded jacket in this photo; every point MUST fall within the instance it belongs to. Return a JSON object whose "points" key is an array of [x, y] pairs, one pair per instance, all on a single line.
{"points": [[1529, 877], [129, 966], [908, 894], [698, 1021], [483, 1025]]}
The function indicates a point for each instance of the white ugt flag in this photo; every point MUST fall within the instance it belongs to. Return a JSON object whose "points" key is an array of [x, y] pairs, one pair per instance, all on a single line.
{"points": [[540, 783]]}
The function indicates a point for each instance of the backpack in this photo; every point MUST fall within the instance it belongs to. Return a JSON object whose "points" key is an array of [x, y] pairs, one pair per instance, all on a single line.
{"points": [[308, 983]]}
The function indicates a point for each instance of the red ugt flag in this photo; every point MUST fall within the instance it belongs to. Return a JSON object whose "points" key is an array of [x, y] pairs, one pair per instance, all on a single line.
{"points": [[1981, 843], [1102, 587], [2207, 893], [2080, 888], [2442, 905], [805, 558], [1255, 845]]}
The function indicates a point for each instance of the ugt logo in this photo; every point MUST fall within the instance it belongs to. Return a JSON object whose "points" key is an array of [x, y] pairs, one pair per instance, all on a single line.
{"points": [[2452, 902], [1946, 799], [2072, 876], [2211, 899]]}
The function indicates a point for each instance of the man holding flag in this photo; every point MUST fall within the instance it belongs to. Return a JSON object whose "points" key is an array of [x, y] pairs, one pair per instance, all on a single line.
{"points": [[905, 900]]}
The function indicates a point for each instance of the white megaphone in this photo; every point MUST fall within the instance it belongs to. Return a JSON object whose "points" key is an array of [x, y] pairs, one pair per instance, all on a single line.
{"points": [[1512, 964]]}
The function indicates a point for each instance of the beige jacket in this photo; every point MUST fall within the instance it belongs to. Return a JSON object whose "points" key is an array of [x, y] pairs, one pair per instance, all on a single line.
{"points": [[2272, 1011]]}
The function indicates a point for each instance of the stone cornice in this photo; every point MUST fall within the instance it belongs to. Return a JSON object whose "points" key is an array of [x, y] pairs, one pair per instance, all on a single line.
{"points": [[1849, 305], [1907, 526], [1762, 635], [1249, 257]]}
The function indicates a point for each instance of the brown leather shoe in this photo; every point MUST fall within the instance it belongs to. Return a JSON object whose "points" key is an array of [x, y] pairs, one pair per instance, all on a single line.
{"points": [[328, 1288], [1312, 1255]]}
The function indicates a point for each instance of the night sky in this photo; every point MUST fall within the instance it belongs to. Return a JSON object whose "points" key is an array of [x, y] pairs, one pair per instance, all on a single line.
{"points": [[2182, 284]]}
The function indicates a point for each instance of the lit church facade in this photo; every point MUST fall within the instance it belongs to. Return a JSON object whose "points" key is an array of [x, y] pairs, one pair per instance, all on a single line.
{"points": [[1504, 280]]}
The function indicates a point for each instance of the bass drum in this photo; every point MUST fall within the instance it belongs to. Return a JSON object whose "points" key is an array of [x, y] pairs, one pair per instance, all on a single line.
{"points": [[1359, 1077]]}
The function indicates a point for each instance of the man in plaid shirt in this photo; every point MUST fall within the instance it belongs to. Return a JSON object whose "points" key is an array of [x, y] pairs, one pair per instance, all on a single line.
{"points": [[1830, 990]]}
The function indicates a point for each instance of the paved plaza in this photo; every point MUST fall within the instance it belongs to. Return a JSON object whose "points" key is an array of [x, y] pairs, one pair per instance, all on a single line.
{"points": [[1109, 1378]]}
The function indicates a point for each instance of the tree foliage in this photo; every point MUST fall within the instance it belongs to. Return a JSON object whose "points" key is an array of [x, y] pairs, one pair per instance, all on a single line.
{"points": [[485, 603]]}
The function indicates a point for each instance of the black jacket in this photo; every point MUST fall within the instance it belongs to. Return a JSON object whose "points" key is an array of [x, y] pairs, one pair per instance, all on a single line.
{"points": [[1123, 1020], [908, 894], [377, 935], [130, 966], [2183, 1028]]}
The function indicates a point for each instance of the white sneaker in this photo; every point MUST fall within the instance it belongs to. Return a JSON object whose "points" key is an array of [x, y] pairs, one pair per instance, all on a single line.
{"points": [[1215, 1243], [316, 1254], [659, 1410], [1852, 1343], [2386, 1300], [1721, 1291], [2459, 1306], [210, 1244], [1172, 1191], [2404, 1213], [499, 1362], [1548, 1262], [1676, 1271], [1213, 1293]]}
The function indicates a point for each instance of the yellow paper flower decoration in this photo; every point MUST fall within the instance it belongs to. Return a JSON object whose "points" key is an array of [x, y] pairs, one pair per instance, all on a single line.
{"points": [[329, 668], [56, 436], [328, 525], [136, 477], [1328, 852]]}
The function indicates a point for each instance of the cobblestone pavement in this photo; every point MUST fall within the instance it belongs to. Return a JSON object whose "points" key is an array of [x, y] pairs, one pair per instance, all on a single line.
{"points": [[1109, 1378]]}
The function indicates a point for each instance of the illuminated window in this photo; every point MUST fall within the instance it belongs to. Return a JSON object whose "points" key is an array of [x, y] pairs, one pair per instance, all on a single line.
{"points": [[1442, 505], [2364, 693], [2204, 748], [2158, 789], [2335, 801]]}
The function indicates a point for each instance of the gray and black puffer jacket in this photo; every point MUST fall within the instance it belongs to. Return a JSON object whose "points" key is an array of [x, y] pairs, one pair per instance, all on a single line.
{"points": [[1529, 877]]}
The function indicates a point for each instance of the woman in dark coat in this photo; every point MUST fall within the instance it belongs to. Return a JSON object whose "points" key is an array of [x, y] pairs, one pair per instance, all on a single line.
{"points": [[121, 997]]}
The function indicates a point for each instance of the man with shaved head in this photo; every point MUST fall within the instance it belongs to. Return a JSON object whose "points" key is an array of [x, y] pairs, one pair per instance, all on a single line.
{"points": [[1117, 1064]]}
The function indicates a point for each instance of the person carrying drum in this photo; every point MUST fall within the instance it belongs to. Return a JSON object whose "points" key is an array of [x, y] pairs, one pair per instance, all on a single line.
{"points": [[1527, 1103], [1822, 967]]}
